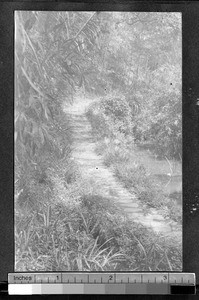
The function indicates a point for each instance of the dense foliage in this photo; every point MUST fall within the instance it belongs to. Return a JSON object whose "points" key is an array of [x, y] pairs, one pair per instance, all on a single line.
{"points": [[143, 68], [51, 50], [130, 63]]}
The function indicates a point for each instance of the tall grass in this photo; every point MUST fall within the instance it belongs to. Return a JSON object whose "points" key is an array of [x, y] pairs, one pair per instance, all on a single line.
{"points": [[92, 235]]}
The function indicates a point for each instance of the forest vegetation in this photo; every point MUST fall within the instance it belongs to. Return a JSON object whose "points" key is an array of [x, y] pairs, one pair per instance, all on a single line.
{"points": [[129, 64]]}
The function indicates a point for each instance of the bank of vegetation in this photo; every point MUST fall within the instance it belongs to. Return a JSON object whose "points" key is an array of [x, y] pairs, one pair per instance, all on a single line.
{"points": [[112, 126]]}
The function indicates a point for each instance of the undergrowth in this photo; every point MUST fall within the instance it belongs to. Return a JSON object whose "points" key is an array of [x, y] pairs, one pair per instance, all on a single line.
{"points": [[89, 235], [117, 149], [62, 223]]}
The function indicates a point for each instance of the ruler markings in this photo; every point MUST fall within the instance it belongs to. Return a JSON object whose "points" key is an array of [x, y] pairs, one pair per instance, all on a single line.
{"points": [[182, 279], [148, 283]]}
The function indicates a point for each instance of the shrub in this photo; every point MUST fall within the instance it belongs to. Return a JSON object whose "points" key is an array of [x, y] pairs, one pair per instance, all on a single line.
{"points": [[110, 117], [118, 112], [161, 125], [98, 123], [115, 155]]}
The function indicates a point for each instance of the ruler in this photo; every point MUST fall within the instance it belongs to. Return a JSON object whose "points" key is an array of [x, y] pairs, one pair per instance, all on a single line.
{"points": [[100, 283]]}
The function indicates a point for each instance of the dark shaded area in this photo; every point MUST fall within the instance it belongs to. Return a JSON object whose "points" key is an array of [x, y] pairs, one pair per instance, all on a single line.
{"points": [[190, 27], [182, 290], [6, 148]]}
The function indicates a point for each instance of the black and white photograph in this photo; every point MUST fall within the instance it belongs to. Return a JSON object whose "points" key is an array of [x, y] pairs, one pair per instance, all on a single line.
{"points": [[98, 141]]}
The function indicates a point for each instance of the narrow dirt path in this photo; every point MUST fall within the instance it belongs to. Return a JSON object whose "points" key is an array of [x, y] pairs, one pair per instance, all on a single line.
{"points": [[92, 167]]}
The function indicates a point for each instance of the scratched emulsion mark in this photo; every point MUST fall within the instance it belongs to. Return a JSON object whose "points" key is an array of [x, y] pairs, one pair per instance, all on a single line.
{"points": [[92, 167]]}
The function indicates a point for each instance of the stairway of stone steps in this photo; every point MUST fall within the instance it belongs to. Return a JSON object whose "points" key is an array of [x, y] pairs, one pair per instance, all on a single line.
{"points": [[92, 167]]}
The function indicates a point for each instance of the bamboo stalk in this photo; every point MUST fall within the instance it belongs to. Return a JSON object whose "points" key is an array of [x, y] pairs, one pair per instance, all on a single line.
{"points": [[31, 83], [33, 49], [84, 26]]}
